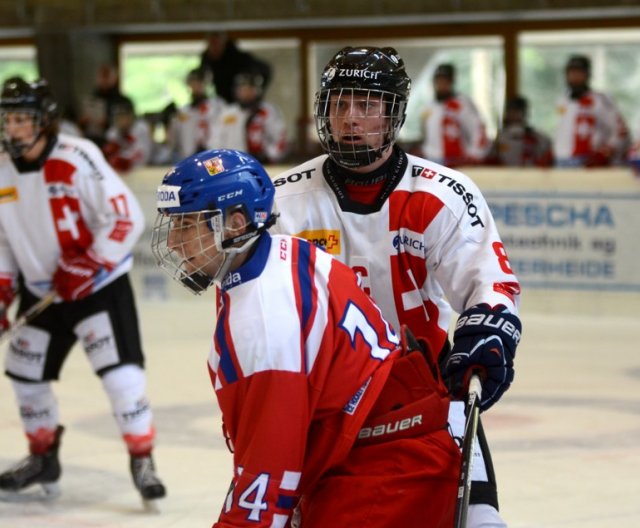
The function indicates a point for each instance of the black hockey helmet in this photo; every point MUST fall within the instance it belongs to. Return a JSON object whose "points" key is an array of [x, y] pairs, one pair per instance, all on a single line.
{"points": [[446, 70], [34, 98], [196, 74], [579, 62], [517, 103], [252, 76], [375, 72]]}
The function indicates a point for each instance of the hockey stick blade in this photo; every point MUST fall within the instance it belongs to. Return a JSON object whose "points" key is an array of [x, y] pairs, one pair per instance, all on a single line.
{"points": [[27, 316], [472, 412]]}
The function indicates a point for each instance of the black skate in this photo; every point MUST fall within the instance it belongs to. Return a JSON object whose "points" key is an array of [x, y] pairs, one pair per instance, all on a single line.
{"points": [[146, 481], [43, 470]]}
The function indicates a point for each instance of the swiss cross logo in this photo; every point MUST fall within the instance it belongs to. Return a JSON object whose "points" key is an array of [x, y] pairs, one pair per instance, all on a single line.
{"points": [[68, 221], [423, 172], [332, 242], [326, 239]]}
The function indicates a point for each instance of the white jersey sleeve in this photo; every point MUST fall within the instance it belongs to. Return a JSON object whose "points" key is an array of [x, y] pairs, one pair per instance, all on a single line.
{"points": [[473, 130], [464, 252], [111, 210]]}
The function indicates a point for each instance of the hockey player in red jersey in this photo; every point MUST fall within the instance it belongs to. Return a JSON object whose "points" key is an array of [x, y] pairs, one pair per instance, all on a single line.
{"points": [[327, 415], [419, 234], [68, 225]]}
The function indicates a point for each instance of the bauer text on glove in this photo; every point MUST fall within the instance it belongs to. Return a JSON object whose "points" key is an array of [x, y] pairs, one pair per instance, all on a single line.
{"points": [[485, 341]]}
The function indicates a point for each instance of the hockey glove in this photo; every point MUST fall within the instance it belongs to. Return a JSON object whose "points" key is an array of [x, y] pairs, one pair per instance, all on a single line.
{"points": [[7, 294], [485, 342], [74, 278]]}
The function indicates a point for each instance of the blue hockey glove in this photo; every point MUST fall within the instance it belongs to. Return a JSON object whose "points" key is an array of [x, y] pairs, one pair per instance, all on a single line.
{"points": [[485, 342]]}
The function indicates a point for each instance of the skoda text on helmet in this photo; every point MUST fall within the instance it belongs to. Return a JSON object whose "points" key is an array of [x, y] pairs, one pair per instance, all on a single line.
{"points": [[379, 76], [33, 100], [199, 194]]}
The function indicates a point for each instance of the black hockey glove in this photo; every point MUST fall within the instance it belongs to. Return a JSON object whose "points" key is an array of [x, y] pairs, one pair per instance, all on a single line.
{"points": [[485, 342]]}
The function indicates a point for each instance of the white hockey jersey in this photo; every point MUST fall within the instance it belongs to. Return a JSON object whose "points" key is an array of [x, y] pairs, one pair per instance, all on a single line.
{"points": [[430, 245], [126, 152], [190, 129], [586, 126], [74, 202], [521, 146], [262, 132], [453, 132]]}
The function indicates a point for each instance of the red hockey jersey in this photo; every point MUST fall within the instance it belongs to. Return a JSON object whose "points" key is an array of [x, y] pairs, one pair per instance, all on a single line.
{"points": [[300, 354]]}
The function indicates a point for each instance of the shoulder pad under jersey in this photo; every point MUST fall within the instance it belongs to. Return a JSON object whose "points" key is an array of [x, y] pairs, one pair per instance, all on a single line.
{"points": [[300, 179]]}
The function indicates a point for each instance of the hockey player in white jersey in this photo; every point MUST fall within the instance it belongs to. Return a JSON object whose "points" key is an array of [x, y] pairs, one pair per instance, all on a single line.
{"points": [[419, 234], [190, 128], [453, 131], [67, 225], [251, 124], [591, 131]]}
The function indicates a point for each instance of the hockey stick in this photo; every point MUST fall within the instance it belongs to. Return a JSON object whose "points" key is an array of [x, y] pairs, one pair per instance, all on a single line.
{"points": [[472, 412], [28, 316]]}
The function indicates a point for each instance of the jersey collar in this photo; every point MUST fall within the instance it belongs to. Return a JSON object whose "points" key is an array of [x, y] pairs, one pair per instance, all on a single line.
{"points": [[23, 165], [392, 171], [252, 267]]}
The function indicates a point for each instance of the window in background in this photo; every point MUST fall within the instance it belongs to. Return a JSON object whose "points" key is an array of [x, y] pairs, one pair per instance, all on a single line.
{"points": [[615, 70], [18, 61], [153, 73], [479, 74]]}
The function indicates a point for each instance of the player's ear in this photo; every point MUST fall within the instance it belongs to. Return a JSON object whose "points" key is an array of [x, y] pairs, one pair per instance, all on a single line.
{"points": [[236, 220]]}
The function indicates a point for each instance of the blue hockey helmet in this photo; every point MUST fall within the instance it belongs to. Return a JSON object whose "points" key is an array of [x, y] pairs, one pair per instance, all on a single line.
{"points": [[218, 180], [199, 193]]}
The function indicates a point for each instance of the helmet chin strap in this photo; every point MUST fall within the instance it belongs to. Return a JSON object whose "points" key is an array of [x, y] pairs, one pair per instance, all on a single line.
{"points": [[18, 148], [198, 281], [230, 255], [231, 251]]}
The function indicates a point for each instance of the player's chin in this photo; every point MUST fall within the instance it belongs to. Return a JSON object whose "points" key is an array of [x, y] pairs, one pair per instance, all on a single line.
{"points": [[355, 143], [190, 266]]}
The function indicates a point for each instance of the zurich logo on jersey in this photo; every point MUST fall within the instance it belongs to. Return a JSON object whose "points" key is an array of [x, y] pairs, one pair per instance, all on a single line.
{"points": [[168, 196], [409, 243]]}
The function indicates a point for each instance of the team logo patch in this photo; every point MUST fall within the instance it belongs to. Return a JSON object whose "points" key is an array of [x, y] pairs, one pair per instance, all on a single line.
{"points": [[326, 239], [8, 194], [260, 217], [423, 172], [214, 165]]}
